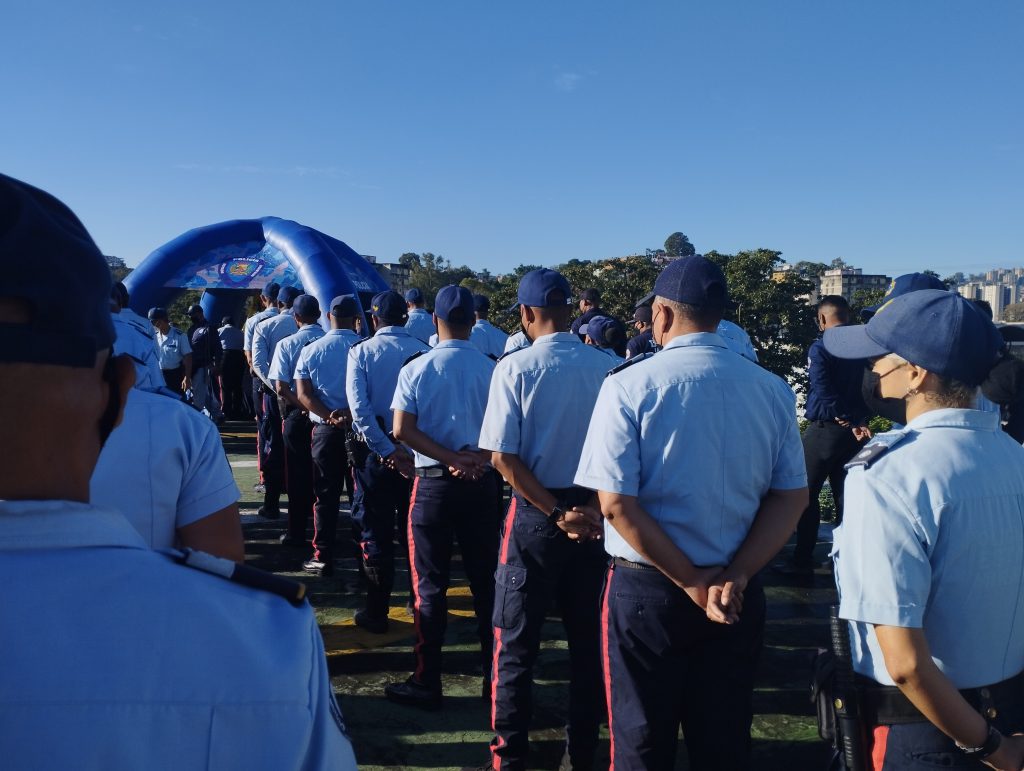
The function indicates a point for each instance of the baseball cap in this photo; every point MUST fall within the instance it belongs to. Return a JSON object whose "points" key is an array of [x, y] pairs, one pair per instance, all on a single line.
{"points": [[590, 295], [643, 314], [287, 294], [481, 302], [344, 306], [932, 328], [50, 263], [454, 304], [157, 313], [194, 309], [389, 305], [414, 295], [271, 290], [306, 305], [544, 288], [901, 285], [693, 280]]}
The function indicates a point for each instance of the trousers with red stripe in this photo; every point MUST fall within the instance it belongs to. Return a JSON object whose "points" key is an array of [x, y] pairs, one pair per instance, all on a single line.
{"points": [[539, 566], [667, 665], [442, 510]]}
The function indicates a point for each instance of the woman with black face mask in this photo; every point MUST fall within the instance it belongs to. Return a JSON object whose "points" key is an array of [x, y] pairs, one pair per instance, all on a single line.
{"points": [[928, 559]]}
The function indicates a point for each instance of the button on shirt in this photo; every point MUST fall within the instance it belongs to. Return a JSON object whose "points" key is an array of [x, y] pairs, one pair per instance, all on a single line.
{"points": [[699, 436], [323, 363], [835, 386], [265, 338], [539, 405], [250, 326], [931, 537], [163, 468], [172, 348], [286, 355], [488, 339], [119, 658], [370, 382], [420, 324], [231, 337], [446, 389]]}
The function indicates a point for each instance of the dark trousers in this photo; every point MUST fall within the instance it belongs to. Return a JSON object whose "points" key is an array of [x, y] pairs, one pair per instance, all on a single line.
{"points": [[441, 510], [330, 468], [380, 506], [231, 373], [667, 665], [538, 564], [828, 447], [248, 406], [257, 400], [272, 447], [173, 378], [298, 461]]}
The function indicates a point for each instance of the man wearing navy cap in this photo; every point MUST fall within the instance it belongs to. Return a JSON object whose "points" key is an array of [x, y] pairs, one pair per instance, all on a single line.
{"points": [[268, 298], [206, 358], [439, 406], [696, 458], [534, 427], [173, 352], [642, 341], [320, 387], [901, 285], [232, 340], [379, 465], [488, 339], [608, 335], [590, 306], [420, 323], [121, 657], [928, 559], [296, 430]]}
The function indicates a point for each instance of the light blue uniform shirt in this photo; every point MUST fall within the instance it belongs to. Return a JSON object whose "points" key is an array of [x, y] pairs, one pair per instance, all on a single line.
{"points": [[172, 348], [420, 324], [737, 339], [433, 340], [516, 341], [370, 382], [286, 355], [163, 468], [134, 338], [614, 359], [699, 436], [265, 339], [250, 326], [323, 363], [931, 538], [540, 402], [120, 659], [231, 338], [446, 389], [488, 339]]}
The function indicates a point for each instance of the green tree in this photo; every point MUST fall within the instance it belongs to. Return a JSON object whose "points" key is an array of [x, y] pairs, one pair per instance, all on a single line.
{"points": [[432, 271], [1014, 312], [409, 260], [865, 298], [838, 262], [678, 245], [118, 268], [931, 273], [955, 280], [178, 310], [622, 281], [809, 269]]}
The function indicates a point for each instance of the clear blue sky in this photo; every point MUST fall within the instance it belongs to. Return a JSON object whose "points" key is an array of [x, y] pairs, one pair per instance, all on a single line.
{"points": [[496, 133]]}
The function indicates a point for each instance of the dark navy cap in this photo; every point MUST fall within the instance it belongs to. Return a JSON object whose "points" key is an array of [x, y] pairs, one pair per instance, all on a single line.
{"points": [[454, 304], [288, 294], [590, 295], [414, 295], [345, 306], [901, 285], [389, 305], [693, 280], [541, 288], [271, 290], [193, 309], [481, 302], [934, 329], [50, 263], [157, 313], [600, 329], [643, 314], [306, 305]]}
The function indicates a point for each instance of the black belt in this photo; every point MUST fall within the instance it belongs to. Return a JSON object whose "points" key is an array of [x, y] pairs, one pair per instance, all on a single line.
{"points": [[432, 472], [622, 562], [887, 705], [567, 497]]}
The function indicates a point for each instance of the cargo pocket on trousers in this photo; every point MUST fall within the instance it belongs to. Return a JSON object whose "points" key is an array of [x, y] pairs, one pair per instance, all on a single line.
{"points": [[509, 595]]}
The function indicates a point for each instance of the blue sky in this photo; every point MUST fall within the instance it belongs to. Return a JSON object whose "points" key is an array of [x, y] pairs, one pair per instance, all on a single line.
{"points": [[890, 134]]}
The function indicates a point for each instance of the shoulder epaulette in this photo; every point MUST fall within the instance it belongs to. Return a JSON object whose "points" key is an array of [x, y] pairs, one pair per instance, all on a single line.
{"points": [[293, 591], [361, 341], [629, 363], [492, 357], [509, 353], [413, 357], [876, 448]]}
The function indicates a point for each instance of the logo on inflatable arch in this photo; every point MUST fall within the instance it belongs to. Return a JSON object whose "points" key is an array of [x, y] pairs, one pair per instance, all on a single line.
{"points": [[241, 269]]}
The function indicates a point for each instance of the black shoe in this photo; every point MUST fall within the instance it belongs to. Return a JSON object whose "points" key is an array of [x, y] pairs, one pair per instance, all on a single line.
{"points": [[287, 539], [318, 567], [269, 512], [413, 694], [371, 624]]}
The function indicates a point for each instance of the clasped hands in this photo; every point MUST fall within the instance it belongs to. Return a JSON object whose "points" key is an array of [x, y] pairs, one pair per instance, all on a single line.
{"points": [[718, 592]]}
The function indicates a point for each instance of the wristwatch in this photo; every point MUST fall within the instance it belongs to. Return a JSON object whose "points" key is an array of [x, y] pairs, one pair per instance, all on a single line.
{"points": [[556, 515], [990, 745]]}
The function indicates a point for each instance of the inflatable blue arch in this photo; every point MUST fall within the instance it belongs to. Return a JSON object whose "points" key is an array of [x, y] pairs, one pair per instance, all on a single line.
{"points": [[230, 259]]}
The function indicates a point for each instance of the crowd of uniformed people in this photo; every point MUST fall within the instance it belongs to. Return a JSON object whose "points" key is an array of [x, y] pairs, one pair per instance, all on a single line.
{"points": [[652, 480]]}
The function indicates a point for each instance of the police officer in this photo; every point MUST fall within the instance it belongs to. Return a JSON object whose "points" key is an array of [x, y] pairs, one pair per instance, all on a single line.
{"points": [[607, 335], [135, 339], [380, 466], [265, 338], [928, 558], [488, 339], [206, 357], [297, 429], [590, 306], [320, 388], [173, 352], [733, 335], [642, 341], [517, 339], [232, 340], [420, 323], [696, 457], [75, 695], [538, 408], [268, 298], [439, 406]]}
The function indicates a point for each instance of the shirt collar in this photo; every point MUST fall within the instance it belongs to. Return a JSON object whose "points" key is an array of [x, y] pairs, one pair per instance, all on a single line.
{"points": [[340, 332], [558, 337], [63, 525], [399, 331], [956, 418], [454, 344], [482, 323], [696, 338]]}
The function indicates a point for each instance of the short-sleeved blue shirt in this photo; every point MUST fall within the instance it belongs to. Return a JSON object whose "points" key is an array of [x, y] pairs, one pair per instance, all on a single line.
{"points": [[446, 389], [488, 339], [251, 324], [323, 363], [172, 348], [699, 436], [540, 402], [287, 352], [931, 538], [265, 339], [420, 324]]}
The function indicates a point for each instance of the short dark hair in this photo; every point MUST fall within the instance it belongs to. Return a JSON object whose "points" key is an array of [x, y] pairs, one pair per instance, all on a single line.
{"points": [[837, 304], [591, 295], [700, 315], [983, 306]]}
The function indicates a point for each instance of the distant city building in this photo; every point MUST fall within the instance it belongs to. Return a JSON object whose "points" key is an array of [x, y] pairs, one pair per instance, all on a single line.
{"points": [[848, 281], [398, 276], [997, 295]]}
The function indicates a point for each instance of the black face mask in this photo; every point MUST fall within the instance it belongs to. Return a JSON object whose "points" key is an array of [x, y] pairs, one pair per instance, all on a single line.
{"points": [[109, 416], [889, 408]]}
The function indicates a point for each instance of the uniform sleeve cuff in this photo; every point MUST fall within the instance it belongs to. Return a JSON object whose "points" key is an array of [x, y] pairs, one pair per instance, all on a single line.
{"points": [[618, 486], [794, 482], [907, 616]]}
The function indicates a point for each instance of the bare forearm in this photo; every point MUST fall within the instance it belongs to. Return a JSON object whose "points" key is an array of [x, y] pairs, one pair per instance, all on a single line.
{"points": [[284, 390], [186, 362], [220, 533], [310, 400], [523, 481], [640, 530], [773, 525]]}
